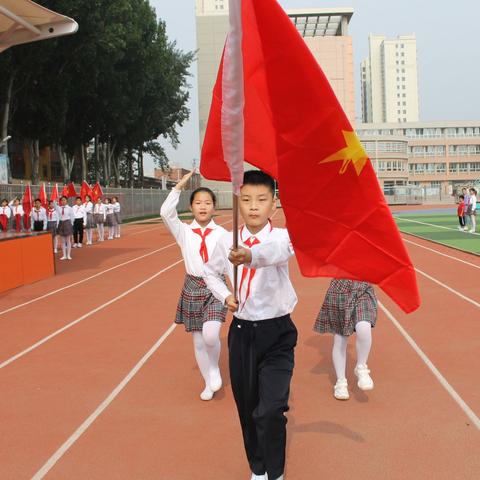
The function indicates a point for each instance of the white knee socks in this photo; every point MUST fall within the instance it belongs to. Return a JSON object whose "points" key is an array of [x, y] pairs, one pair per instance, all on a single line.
{"points": [[89, 236], [363, 346], [101, 232]]}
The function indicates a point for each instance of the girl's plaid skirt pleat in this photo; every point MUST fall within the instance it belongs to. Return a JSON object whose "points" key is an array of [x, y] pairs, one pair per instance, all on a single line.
{"points": [[90, 221], [198, 305], [346, 303]]}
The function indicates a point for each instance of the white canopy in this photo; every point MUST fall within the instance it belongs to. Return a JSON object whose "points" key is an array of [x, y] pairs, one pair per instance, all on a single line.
{"points": [[23, 21]]}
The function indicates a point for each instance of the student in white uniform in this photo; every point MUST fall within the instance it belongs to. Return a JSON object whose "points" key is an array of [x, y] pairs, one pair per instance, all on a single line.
{"points": [[262, 336], [17, 214], [65, 227], [52, 223], [80, 220], [110, 221], [199, 311], [99, 216], [90, 224], [118, 217], [5, 214], [38, 217]]}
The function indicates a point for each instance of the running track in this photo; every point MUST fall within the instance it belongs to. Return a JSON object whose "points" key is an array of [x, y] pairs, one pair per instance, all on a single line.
{"points": [[97, 384]]}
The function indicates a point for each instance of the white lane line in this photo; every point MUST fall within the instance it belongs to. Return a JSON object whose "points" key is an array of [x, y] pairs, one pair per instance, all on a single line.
{"points": [[50, 463], [451, 391], [83, 317], [58, 290], [441, 253], [450, 289], [399, 217], [53, 292]]}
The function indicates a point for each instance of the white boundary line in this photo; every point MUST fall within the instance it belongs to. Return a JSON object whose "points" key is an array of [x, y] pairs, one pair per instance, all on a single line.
{"points": [[50, 463], [442, 254], [450, 289], [450, 390], [433, 225], [86, 315], [58, 290]]}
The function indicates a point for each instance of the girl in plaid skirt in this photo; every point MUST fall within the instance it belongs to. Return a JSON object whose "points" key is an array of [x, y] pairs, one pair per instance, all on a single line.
{"points": [[349, 306], [198, 310]]}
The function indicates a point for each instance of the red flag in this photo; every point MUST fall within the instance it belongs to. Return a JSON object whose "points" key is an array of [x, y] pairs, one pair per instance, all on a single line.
{"points": [[97, 192], [54, 195], [296, 130], [27, 204], [71, 190], [85, 190], [65, 191], [42, 195]]}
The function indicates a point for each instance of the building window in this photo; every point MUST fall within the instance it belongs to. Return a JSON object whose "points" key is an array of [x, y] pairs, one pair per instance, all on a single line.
{"points": [[440, 167], [475, 166], [463, 167], [403, 79], [404, 112], [403, 62], [403, 45], [403, 86], [403, 54], [404, 104], [404, 95]]}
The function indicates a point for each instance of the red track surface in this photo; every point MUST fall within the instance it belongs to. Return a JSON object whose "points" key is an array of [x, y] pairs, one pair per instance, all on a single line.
{"points": [[408, 427]]}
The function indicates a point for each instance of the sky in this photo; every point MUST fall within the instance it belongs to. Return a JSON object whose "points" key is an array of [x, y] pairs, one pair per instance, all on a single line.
{"points": [[448, 44]]}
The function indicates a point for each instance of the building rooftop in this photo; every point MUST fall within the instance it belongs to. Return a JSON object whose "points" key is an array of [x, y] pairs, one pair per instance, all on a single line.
{"points": [[434, 124], [321, 22]]}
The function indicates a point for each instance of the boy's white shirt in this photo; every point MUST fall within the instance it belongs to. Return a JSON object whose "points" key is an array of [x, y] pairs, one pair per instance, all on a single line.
{"points": [[39, 216], [80, 212], [188, 241], [271, 292]]}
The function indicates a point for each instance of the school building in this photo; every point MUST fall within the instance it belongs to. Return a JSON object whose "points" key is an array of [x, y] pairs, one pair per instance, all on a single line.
{"points": [[431, 155]]}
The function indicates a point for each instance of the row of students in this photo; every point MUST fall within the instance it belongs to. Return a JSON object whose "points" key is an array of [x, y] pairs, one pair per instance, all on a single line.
{"points": [[86, 217], [262, 335]]}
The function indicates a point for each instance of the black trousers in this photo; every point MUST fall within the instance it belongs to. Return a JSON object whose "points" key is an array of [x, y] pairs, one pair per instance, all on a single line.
{"points": [[461, 221], [78, 230], [261, 359], [38, 226]]}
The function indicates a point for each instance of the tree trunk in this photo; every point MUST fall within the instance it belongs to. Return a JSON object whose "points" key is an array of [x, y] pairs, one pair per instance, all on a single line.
{"points": [[34, 156], [130, 167], [83, 156], [140, 166], [97, 160], [4, 120], [66, 162]]}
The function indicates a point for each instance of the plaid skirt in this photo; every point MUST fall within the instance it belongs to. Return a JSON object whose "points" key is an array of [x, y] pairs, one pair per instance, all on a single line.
{"points": [[198, 305], [346, 303], [99, 218], [52, 227], [110, 221], [65, 228], [118, 217], [90, 221]]}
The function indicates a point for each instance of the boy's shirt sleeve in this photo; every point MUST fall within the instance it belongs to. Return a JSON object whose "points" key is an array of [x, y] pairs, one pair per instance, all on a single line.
{"points": [[275, 251], [169, 214], [214, 270]]}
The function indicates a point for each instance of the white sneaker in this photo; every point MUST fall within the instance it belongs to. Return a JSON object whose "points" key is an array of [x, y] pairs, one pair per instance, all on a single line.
{"points": [[215, 380], [63, 258], [55, 251], [460, 228], [340, 390], [471, 231], [207, 394], [365, 382], [258, 477], [69, 257], [79, 245]]}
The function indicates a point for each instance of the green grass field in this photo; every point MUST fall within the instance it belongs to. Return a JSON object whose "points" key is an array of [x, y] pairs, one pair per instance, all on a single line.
{"points": [[441, 228]]}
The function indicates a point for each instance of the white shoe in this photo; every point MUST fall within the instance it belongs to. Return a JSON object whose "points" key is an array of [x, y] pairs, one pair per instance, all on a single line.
{"points": [[460, 228], [63, 258], [207, 394], [258, 477], [79, 245], [215, 380], [55, 251], [365, 382], [471, 231], [69, 257], [340, 390]]}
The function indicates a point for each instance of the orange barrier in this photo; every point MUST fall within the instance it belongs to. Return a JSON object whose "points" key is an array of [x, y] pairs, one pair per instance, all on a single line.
{"points": [[25, 259]]}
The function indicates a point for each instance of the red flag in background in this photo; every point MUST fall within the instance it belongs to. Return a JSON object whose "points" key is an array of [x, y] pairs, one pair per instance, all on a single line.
{"points": [[42, 195], [97, 192], [65, 191], [296, 130], [85, 190], [69, 190], [54, 195], [27, 204]]}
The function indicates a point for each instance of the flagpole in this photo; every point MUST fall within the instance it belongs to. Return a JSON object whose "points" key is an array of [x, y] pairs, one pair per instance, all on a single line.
{"points": [[235, 243]]}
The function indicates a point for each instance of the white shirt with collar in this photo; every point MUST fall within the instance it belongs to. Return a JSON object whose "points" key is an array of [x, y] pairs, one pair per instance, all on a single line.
{"points": [[80, 213], [88, 206], [5, 211], [65, 213], [39, 216], [100, 209], [109, 208], [116, 207], [271, 292], [52, 215], [189, 241], [16, 209]]}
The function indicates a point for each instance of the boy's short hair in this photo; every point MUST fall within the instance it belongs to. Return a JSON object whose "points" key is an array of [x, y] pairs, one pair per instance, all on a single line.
{"points": [[257, 177], [461, 197], [4, 200], [37, 200], [78, 198], [64, 197], [205, 190]]}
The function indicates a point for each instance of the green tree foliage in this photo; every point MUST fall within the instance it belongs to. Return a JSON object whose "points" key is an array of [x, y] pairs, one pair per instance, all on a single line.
{"points": [[117, 84]]}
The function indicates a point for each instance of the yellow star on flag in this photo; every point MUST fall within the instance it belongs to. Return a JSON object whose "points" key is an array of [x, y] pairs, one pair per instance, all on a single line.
{"points": [[352, 153]]}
